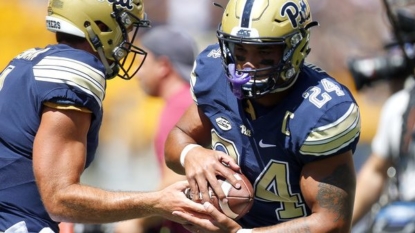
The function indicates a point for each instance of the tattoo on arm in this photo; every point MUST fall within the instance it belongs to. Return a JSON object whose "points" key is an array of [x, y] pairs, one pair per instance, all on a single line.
{"points": [[336, 192]]}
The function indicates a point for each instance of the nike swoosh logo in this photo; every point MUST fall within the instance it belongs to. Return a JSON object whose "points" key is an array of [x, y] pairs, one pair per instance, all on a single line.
{"points": [[264, 145]]}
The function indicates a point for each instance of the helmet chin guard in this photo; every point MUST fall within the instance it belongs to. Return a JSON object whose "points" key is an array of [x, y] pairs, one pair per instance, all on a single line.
{"points": [[238, 79]]}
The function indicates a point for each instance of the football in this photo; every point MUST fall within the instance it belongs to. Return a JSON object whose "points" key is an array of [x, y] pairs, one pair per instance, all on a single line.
{"points": [[240, 200]]}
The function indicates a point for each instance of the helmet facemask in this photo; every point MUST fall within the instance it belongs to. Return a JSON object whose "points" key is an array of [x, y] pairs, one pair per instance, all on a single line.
{"points": [[124, 55]]}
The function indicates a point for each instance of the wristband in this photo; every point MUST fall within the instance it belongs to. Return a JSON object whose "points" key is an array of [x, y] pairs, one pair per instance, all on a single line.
{"points": [[244, 231], [185, 151]]}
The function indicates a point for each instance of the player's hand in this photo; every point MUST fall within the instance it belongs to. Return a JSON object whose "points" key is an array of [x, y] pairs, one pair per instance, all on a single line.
{"points": [[217, 222], [202, 166], [172, 198]]}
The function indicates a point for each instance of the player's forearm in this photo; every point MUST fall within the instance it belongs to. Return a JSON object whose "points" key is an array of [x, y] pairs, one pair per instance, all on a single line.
{"points": [[360, 209], [368, 190], [85, 204], [314, 223], [175, 143]]}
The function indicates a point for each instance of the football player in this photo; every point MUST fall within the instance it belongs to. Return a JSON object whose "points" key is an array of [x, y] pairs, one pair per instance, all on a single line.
{"points": [[286, 124], [51, 112]]}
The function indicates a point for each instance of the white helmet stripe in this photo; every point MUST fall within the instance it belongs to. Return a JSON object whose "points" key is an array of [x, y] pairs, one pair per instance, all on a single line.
{"points": [[246, 14]]}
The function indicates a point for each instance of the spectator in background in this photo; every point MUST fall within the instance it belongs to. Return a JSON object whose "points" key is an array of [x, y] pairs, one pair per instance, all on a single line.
{"points": [[388, 163], [165, 74], [386, 180]]}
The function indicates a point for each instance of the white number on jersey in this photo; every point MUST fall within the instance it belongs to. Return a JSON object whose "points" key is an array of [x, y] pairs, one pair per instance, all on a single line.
{"points": [[318, 97], [4, 74]]}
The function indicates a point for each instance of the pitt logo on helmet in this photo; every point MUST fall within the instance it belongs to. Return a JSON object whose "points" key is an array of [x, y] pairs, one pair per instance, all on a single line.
{"points": [[128, 4], [296, 13]]}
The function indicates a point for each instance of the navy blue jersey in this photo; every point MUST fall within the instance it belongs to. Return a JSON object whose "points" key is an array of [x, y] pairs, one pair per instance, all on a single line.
{"points": [[317, 118], [56, 74]]}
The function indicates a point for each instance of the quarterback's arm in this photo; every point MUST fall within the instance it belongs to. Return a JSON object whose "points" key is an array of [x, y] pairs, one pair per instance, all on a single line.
{"points": [[372, 176], [59, 158], [201, 164], [328, 187], [141, 225]]}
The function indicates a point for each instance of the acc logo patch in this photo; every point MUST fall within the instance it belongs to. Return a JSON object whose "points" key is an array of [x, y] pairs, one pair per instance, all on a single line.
{"points": [[297, 14], [223, 123], [244, 33]]}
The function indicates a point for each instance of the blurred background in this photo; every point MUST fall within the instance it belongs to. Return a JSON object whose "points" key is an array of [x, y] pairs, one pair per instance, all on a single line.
{"points": [[348, 28]]}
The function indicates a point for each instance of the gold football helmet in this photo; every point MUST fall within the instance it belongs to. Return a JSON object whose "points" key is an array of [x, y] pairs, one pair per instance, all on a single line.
{"points": [[121, 19], [265, 22]]}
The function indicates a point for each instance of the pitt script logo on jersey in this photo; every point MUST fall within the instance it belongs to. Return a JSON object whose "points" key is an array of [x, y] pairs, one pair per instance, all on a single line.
{"points": [[245, 131], [297, 14]]}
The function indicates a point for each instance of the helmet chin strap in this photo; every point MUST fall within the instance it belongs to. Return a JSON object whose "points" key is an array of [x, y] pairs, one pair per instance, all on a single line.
{"points": [[280, 89], [109, 72]]}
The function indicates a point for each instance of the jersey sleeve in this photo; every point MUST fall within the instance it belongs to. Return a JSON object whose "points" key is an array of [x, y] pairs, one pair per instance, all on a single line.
{"points": [[327, 120], [71, 79], [334, 136], [207, 79]]}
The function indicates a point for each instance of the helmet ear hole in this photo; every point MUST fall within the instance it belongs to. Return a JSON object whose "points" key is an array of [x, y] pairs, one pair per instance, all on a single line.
{"points": [[102, 26]]}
